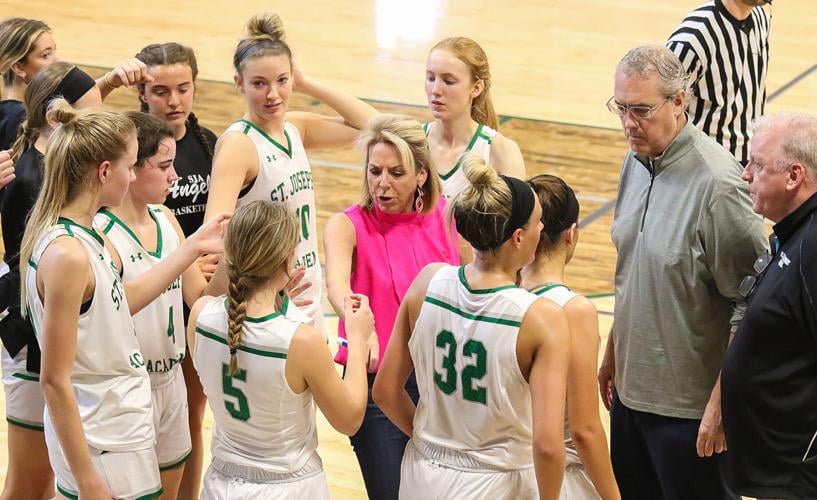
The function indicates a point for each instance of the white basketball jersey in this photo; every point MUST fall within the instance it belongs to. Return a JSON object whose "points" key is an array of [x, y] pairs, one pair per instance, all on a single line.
{"points": [[259, 420], [454, 181], [473, 397], [561, 295], [160, 325], [284, 176], [109, 377]]}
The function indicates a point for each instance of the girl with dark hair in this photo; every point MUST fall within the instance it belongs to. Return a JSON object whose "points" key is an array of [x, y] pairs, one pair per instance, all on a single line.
{"points": [[588, 471], [169, 97]]}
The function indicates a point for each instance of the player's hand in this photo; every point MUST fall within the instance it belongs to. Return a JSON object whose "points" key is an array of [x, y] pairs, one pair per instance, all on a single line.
{"points": [[296, 286], [358, 318], [209, 238], [208, 264], [129, 73], [607, 378]]}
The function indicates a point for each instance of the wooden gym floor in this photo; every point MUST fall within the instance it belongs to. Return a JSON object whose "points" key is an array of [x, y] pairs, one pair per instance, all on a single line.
{"points": [[552, 65]]}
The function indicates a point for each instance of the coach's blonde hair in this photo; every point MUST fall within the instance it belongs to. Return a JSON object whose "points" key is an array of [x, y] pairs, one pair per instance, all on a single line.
{"points": [[37, 95], [83, 140], [259, 242], [482, 210], [470, 52], [264, 36], [406, 135], [17, 38]]}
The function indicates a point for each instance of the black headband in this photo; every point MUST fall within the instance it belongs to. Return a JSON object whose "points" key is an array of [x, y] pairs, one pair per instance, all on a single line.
{"points": [[522, 202], [251, 48], [569, 217], [73, 85]]}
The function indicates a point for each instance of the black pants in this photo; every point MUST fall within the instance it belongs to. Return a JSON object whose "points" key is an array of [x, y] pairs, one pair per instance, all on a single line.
{"points": [[379, 447], [654, 458]]}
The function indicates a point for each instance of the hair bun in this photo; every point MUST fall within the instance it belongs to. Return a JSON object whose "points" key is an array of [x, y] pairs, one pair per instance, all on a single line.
{"points": [[61, 112], [266, 24], [478, 173]]}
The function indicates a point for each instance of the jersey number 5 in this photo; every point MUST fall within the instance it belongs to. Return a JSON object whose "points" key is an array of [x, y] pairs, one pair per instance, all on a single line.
{"points": [[240, 410], [447, 380]]}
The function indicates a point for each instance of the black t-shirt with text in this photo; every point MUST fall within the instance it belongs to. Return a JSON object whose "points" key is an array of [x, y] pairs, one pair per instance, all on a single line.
{"points": [[188, 196]]}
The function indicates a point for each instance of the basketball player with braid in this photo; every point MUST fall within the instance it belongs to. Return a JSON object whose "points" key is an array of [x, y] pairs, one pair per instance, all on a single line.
{"points": [[263, 367], [490, 359], [98, 425], [263, 155], [588, 471], [169, 97], [144, 233]]}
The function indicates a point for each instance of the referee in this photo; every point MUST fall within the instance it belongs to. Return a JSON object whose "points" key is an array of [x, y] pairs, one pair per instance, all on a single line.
{"points": [[724, 46]]}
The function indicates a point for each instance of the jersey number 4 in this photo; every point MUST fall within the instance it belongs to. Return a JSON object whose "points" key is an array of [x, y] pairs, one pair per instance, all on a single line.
{"points": [[447, 380], [240, 409]]}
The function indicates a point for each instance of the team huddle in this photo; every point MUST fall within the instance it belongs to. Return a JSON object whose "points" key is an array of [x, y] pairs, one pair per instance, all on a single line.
{"points": [[155, 268]]}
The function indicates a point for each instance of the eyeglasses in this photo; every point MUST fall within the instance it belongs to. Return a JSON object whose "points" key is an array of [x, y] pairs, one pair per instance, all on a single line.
{"points": [[749, 283], [637, 112]]}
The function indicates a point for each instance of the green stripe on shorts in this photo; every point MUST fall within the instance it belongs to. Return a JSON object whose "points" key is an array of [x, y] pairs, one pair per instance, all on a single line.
{"points": [[25, 425]]}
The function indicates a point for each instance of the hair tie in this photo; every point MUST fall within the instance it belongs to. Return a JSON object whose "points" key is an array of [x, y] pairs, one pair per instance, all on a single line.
{"points": [[75, 84], [569, 217], [233, 350], [260, 43], [522, 202]]}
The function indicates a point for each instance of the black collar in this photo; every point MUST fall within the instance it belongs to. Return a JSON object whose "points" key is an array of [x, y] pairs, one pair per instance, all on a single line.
{"points": [[789, 224], [744, 25]]}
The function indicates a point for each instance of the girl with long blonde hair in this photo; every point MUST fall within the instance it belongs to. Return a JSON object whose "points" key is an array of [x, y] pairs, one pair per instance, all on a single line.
{"points": [[263, 367], [98, 425]]}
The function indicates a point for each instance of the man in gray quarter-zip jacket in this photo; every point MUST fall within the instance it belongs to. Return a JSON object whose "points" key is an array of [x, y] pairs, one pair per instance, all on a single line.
{"points": [[686, 235]]}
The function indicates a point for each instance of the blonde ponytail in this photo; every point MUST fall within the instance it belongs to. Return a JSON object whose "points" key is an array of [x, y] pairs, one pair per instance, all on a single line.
{"points": [[84, 139], [482, 210]]}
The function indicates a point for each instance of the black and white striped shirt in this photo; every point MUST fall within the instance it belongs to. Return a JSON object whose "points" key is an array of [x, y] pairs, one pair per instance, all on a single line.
{"points": [[727, 61]]}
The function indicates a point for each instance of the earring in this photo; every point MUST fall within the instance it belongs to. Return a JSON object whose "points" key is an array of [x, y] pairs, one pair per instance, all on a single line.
{"points": [[418, 201]]}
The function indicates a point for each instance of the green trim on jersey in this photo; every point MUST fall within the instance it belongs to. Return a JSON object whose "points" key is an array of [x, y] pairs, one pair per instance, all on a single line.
{"points": [[475, 317], [66, 493], [461, 274], [262, 319], [287, 150], [25, 425], [26, 376], [32, 264], [149, 496], [273, 315], [251, 350], [117, 220], [67, 223], [547, 286], [474, 138], [177, 463]]}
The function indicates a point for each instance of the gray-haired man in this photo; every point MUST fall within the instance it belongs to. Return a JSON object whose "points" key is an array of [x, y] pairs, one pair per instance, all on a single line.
{"points": [[685, 235]]}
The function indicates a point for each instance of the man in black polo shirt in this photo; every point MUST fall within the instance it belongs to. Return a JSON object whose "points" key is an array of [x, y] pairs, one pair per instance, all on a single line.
{"points": [[769, 379]]}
